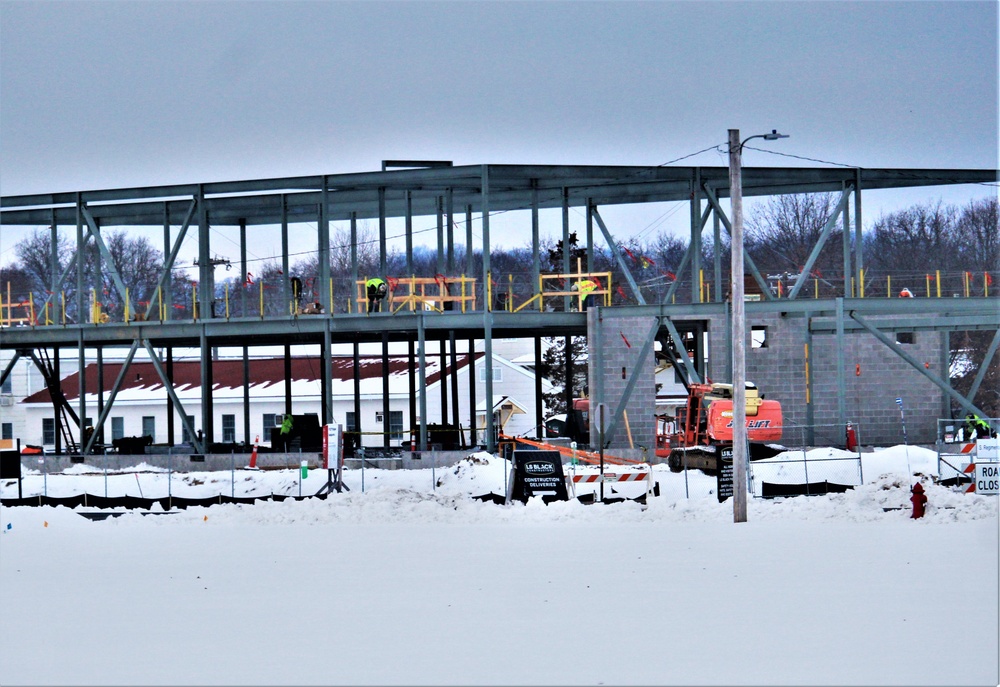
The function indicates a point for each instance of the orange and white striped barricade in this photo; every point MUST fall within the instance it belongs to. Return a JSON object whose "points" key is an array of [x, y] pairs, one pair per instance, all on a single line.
{"points": [[643, 473]]}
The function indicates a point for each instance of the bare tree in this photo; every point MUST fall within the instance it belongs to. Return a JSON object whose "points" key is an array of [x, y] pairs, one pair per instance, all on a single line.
{"points": [[902, 242], [977, 235], [138, 263], [781, 234]]}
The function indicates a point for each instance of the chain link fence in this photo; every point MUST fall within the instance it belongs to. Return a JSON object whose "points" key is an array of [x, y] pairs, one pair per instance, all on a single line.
{"points": [[956, 445], [803, 468]]}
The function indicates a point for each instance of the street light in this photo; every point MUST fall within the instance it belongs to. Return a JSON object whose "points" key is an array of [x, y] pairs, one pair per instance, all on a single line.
{"points": [[739, 322]]}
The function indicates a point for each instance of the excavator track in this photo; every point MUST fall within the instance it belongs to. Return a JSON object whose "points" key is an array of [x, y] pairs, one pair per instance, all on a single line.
{"points": [[705, 458]]}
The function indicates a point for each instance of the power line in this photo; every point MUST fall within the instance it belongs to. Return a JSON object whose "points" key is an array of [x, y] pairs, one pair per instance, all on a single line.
{"points": [[923, 177]]}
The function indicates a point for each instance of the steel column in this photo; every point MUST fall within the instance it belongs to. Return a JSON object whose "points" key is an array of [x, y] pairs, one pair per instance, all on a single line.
{"points": [[326, 369], [696, 229], [488, 310], [841, 372], [246, 396], [323, 288], [206, 271], [422, 390], [207, 410], [536, 258], [385, 392], [285, 268], [859, 252]]}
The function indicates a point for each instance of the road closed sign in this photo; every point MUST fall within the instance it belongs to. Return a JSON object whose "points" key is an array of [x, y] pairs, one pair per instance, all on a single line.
{"points": [[987, 477]]}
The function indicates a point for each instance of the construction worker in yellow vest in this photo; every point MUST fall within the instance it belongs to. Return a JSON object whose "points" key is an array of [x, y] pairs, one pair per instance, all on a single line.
{"points": [[586, 287], [377, 290]]}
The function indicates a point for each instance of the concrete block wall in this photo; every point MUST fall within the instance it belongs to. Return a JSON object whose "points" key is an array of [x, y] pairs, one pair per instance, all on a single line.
{"points": [[884, 376], [779, 370], [609, 355]]}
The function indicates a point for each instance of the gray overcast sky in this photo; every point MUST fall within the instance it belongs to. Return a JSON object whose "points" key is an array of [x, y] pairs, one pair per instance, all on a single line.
{"points": [[121, 94]]}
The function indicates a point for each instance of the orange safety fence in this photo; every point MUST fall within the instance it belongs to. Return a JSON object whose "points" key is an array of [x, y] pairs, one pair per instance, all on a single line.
{"points": [[591, 457]]}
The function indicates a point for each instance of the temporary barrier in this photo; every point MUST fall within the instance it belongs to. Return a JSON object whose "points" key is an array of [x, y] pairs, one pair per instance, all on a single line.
{"points": [[612, 478]]}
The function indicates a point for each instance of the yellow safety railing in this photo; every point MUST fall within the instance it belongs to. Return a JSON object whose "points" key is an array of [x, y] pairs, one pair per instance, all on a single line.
{"points": [[422, 293]]}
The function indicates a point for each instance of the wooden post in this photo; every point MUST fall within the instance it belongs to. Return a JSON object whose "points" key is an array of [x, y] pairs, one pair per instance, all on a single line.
{"points": [[739, 331]]}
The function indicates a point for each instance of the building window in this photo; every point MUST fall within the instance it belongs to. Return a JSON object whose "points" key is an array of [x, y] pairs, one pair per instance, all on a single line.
{"points": [[185, 435], [149, 426], [395, 424], [758, 336], [351, 425], [229, 428], [497, 374], [48, 431], [117, 428], [269, 423], [7, 430], [8, 386], [906, 338]]}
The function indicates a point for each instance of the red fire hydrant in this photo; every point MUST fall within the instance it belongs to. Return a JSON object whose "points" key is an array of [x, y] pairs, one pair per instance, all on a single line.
{"points": [[919, 500], [852, 438]]}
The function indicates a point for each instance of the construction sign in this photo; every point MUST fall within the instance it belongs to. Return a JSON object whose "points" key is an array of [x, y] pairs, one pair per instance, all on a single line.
{"points": [[537, 473], [333, 447], [985, 471]]}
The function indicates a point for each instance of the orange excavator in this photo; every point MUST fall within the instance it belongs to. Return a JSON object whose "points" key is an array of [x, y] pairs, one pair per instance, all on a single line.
{"points": [[705, 424]]}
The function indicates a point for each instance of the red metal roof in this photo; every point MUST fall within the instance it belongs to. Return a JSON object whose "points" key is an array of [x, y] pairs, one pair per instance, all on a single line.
{"points": [[229, 373]]}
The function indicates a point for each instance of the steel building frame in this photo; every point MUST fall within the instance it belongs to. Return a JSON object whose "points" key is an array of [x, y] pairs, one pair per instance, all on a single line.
{"points": [[407, 189]]}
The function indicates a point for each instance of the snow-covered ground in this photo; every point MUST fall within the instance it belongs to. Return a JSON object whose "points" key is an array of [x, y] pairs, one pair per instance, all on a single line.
{"points": [[412, 582]]}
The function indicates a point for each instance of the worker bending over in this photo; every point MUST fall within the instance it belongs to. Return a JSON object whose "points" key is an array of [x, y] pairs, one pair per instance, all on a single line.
{"points": [[377, 290]]}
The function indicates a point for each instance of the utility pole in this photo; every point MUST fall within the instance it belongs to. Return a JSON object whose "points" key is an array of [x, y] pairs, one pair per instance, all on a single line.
{"points": [[740, 457], [739, 330]]}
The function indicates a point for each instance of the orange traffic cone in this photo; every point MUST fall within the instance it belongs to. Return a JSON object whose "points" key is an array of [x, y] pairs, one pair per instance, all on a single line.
{"points": [[253, 455]]}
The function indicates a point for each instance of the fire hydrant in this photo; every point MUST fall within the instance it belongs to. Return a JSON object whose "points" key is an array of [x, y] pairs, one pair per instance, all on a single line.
{"points": [[919, 500], [852, 437]]}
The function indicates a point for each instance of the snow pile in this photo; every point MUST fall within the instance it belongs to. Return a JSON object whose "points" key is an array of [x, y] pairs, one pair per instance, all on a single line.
{"points": [[399, 583], [445, 494]]}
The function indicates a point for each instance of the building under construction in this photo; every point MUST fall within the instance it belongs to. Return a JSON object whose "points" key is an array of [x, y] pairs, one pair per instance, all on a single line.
{"points": [[829, 358]]}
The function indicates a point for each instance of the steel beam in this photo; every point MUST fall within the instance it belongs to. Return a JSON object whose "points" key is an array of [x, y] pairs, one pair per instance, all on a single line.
{"points": [[617, 255], [168, 385], [818, 247], [984, 366], [103, 416], [9, 367], [169, 264], [714, 201], [693, 376]]}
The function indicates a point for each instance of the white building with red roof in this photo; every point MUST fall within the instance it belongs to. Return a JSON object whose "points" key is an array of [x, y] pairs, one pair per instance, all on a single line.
{"points": [[140, 407]]}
